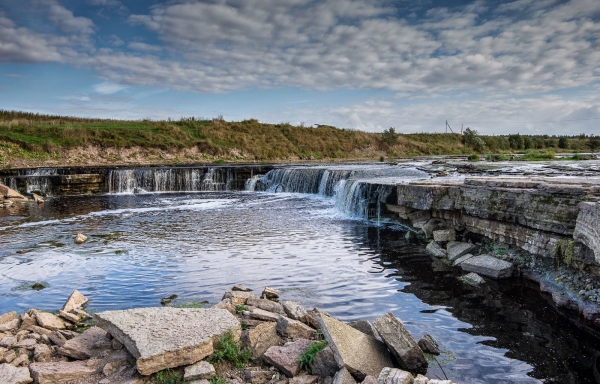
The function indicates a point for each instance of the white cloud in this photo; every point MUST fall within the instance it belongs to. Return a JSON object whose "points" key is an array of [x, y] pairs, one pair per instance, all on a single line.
{"points": [[138, 46], [65, 20], [21, 45], [108, 88]]}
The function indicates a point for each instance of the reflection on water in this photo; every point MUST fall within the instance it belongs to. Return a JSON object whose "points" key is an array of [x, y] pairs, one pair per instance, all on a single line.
{"points": [[198, 245]]}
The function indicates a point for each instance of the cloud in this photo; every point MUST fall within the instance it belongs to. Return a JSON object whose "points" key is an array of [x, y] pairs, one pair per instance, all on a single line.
{"points": [[111, 4], [65, 20], [138, 46], [108, 88], [21, 45]]}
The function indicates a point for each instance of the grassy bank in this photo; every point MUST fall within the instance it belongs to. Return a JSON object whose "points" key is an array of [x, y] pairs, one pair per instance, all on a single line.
{"points": [[30, 139]]}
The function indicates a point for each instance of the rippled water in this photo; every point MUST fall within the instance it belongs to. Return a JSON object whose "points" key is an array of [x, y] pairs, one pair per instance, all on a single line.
{"points": [[197, 245]]}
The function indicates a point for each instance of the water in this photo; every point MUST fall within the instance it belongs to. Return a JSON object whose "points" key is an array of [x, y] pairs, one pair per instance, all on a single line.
{"points": [[315, 246]]}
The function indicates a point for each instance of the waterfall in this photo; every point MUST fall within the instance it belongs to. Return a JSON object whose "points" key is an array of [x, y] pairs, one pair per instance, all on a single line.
{"points": [[362, 199], [31, 181], [301, 180]]}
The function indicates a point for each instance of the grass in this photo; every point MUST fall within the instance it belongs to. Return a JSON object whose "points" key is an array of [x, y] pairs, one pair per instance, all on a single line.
{"points": [[228, 349], [241, 308], [308, 357], [217, 380], [167, 376]]}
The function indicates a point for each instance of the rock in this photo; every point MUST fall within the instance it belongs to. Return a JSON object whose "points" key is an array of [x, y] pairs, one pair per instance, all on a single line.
{"points": [[60, 372], [80, 238], [57, 338], [261, 314], [27, 321], [10, 356], [294, 329], [8, 317], [200, 370], [456, 249], [364, 326], [39, 330], [324, 364], [75, 301], [286, 358], [444, 235], [26, 343], [420, 379], [304, 379], [42, 353], [295, 311], [83, 346], [369, 380], [488, 266], [361, 354], [343, 376], [13, 375], [69, 316], [20, 361], [10, 325], [37, 198], [473, 279], [116, 345], [394, 376], [462, 259], [400, 342], [265, 304], [191, 382], [10, 193], [240, 288], [436, 250], [260, 338], [226, 305], [48, 320], [83, 315], [257, 376], [8, 341], [167, 337], [428, 345], [270, 293], [238, 297]]}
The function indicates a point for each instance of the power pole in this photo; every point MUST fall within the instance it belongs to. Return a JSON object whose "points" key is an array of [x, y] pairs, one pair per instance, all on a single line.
{"points": [[448, 126]]}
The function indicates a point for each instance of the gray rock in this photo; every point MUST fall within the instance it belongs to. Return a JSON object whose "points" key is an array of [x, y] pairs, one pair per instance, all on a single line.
{"points": [[42, 353], [57, 338], [270, 293], [69, 316], [294, 329], [361, 354], [241, 288], [260, 338], [295, 311], [324, 364], [48, 320], [462, 259], [40, 330], [13, 375], [200, 370], [26, 344], [27, 321], [75, 301], [343, 376], [400, 342], [428, 345], [487, 265], [166, 337], [84, 346], [238, 297], [9, 321], [286, 358], [225, 304], [394, 376], [304, 379], [369, 380], [258, 376], [60, 372], [364, 326], [265, 304], [420, 379], [444, 235], [8, 341], [456, 249], [436, 250], [261, 314], [473, 279]]}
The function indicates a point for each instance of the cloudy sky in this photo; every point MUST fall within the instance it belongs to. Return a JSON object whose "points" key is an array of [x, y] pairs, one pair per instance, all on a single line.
{"points": [[528, 66]]}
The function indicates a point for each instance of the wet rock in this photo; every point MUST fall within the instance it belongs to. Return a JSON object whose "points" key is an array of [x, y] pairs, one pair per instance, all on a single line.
{"points": [[286, 358], [166, 337], [199, 371], [42, 353], [75, 301], [361, 354], [294, 329], [462, 259], [240, 288], [295, 311], [260, 338], [444, 235], [258, 376], [400, 342], [436, 250], [487, 265], [394, 376], [324, 364], [304, 379], [238, 297], [270, 293], [428, 345], [343, 376], [80, 238], [37, 198], [10, 193], [261, 314], [84, 346], [364, 326], [457, 249], [48, 320], [473, 279], [265, 304], [13, 375], [60, 372]]}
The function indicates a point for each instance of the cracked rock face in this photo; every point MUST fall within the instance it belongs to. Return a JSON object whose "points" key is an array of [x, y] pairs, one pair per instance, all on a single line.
{"points": [[161, 338]]}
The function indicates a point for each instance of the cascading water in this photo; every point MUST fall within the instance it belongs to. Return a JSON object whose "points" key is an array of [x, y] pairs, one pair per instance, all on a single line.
{"points": [[32, 181]]}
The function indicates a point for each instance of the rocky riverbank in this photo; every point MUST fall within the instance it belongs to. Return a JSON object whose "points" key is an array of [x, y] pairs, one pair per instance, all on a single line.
{"points": [[242, 339]]}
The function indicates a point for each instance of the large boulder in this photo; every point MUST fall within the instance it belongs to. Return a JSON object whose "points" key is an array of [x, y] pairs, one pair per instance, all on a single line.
{"points": [[295, 311], [85, 346], [13, 375], [294, 329], [260, 338], [265, 304], [394, 376], [60, 372], [75, 301], [361, 354], [161, 338], [488, 266], [400, 342], [364, 326], [9, 193], [343, 376], [286, 358]]}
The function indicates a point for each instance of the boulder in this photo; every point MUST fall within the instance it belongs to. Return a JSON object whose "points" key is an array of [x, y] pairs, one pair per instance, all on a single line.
{"points": [[69, 316], [400, 342], [428, 345], [8, 341], [238, 297], [39, 330], [57, 338], [488, 266], [85, 346], [60, 372], [343, 376], [294, 329], [241, 288], [10, 326], [304, 379], [258, 376], [200, 370], [364, 326], [473, 279], [394, 376], [462, 259], [42, 353], [7, 317], [456, 249], [13, 375], [75, 301], [37, 198], [48, 320], [444, 235], [295, 311], [27, 321], [286, 358], [361, 354], [261, 314], [83, 315], [265, 304], [26, 344], [260, 338], [420, 379], [161, 338], [324, 364], [434, 249], [270, 293], [226, 305], [369, 380], [80, 238], [10, 193]]}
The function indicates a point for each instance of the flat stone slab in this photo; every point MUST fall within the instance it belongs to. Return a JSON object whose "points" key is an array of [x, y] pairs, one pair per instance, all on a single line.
{"points": [[14, 375], [400, 342], [361, 354], [60, 372], [161, 338], [436, 250], [463, 258], [84, 346], [75, 301], [286, 358], [456, 249], [487, 265], [473, 279], [199, 371], [444, 235]]}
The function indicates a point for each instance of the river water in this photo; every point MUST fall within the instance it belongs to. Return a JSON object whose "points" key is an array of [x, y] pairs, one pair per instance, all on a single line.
{"points": [[305, 232]]}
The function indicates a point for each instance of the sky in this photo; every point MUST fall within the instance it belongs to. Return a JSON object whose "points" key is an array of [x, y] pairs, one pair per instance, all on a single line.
{"points": [[497, 66]]}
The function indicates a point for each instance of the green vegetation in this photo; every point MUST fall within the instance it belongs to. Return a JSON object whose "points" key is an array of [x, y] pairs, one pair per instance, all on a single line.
{"points": [[190, 304], [241, 308], [228, 349], [217, 380], [167, 376], [538, 155], [308, 357], [473, 157]]}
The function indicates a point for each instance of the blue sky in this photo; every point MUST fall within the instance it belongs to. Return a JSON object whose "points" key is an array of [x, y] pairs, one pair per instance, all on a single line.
{"points": [[528, 66]]}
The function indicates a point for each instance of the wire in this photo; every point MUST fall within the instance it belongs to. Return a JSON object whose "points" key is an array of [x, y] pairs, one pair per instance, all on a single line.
{"points": [[527, 122]]}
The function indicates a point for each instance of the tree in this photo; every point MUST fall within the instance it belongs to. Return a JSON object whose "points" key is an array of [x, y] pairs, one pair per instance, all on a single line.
{"points": [[563, 143], [471, 139], [594, 143], [516, 141], [390, 137]]}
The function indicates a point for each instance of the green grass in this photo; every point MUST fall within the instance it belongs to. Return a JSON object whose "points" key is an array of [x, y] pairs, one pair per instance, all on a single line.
{"points": [[190, 304], [228, 349], [167, 376], [537, 156], [308, 357], [217, 380]]}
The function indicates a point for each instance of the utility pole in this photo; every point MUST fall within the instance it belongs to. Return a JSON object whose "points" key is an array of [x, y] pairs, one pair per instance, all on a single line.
{"points": [[448, 126]]}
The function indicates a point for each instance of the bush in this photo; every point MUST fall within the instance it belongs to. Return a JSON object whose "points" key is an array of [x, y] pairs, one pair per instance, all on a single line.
{"points": [[473, 157], [471, 139], [308, 357], [390, 137], [563, 143]]}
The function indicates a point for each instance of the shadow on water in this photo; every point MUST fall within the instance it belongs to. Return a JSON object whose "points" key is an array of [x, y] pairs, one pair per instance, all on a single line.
{"points": [[559, 346]]}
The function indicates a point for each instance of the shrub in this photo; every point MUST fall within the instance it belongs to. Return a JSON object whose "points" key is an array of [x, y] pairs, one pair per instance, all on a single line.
{"points": [[473, 157], [308, 357], [229, 349], [390, 137]]}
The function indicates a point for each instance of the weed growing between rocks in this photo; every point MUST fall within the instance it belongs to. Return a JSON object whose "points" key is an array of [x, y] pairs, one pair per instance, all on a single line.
{"points": [[169, 377], [228, 349], [241, 308], [308, 356], [217, 380]]}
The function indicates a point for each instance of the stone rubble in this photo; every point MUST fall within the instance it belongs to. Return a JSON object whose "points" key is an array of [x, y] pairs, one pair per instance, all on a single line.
{"points": [[400, 342], [489, 266]]}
